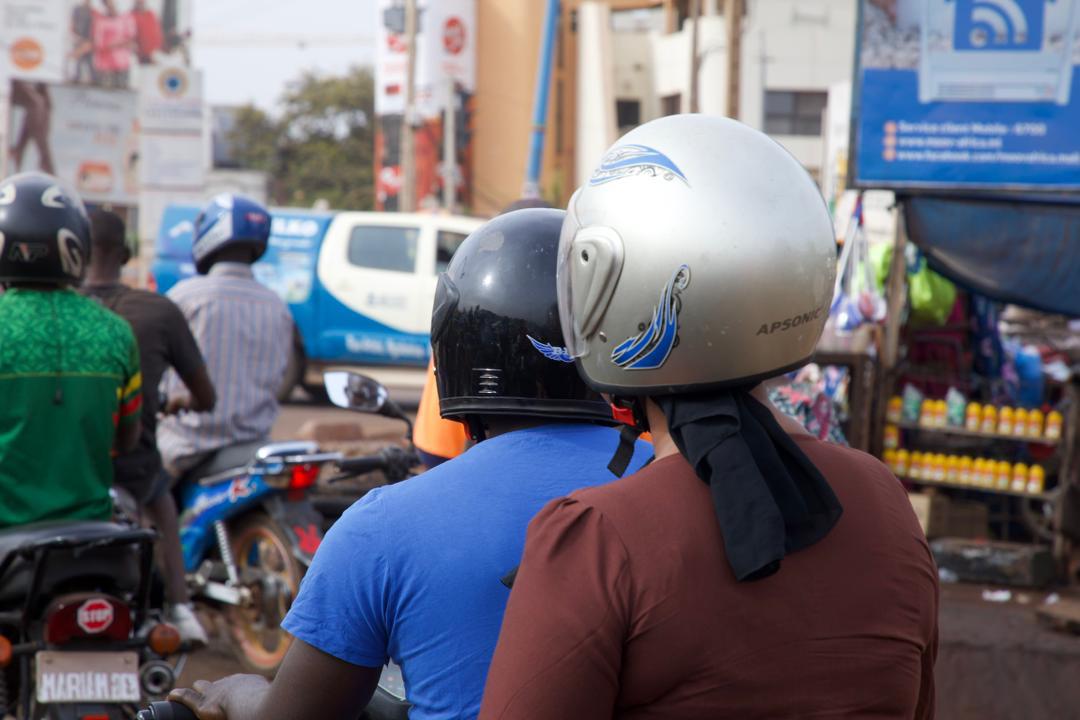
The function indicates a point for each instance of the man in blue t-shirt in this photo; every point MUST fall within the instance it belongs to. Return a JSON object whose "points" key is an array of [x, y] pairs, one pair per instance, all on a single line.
{"points": [[416, 572]]}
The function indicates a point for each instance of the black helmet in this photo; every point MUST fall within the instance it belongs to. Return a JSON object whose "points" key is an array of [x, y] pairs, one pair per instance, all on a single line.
{"points": [[44, 232], [495, 326]]}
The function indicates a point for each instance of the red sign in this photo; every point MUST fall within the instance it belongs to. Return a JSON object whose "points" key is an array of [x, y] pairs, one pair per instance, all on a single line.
{"points": [[453, 37], [396, 43], [95, 616]]}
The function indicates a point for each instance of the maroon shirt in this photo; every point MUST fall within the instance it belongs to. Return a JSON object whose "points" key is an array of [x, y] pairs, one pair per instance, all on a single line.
{"points": [[625, 607]]}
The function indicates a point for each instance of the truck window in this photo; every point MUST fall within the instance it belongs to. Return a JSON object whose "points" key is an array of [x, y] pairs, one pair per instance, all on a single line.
{"points": [[446, 246], [384, 248]]}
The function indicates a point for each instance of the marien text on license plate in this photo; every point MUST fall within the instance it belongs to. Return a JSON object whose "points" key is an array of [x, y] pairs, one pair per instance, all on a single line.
{"points": [[87, 677]]}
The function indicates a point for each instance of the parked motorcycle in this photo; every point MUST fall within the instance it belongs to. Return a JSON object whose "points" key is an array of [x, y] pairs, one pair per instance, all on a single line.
{"points": [[77, 639]]}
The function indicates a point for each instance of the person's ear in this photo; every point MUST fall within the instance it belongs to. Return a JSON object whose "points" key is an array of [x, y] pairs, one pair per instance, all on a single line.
{"points": [[125, 256]]}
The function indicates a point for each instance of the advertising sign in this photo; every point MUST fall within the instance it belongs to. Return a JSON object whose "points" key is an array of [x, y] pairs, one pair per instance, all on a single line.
{"points": [[445, 52], [92, 42], [977, 94], [84, 135]]}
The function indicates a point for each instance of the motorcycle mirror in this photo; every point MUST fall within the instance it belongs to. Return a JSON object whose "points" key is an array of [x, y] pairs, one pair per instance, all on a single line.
{"points": [[354, 391]]}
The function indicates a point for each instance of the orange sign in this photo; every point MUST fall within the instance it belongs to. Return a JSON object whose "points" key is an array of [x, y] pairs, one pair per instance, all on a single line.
{"points": [[27, 53]]}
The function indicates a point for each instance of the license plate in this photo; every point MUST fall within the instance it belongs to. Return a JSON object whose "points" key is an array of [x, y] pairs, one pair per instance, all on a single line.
{"points": [[109, 677]]}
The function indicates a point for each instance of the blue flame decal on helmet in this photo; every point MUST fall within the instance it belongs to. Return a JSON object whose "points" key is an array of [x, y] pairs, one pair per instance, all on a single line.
{"points": [[650, 348], [551, 352], [628, 160]]}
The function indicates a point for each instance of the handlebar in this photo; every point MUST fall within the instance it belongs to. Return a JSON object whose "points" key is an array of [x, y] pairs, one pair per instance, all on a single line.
{"points": [[395, 462], [166, 710]]}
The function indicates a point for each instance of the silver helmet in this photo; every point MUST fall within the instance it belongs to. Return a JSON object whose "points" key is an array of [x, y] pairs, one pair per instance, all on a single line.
{"points": [[700, 253]]}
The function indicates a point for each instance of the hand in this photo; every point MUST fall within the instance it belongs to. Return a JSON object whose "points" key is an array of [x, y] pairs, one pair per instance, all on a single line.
{"points": [[231, 698], [176, 405]]}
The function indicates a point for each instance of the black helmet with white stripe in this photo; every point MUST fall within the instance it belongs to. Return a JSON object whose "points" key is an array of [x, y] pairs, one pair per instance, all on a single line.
{"points": [[44, 231]]}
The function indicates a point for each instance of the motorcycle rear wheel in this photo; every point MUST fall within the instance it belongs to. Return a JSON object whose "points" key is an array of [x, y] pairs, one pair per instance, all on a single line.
{"points": [[262, 553]]}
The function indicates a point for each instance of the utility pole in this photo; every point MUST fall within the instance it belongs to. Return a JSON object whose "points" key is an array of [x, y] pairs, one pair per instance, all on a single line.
{"points": [[695, 61], [733, 12], [407, 194], [450, 146]]}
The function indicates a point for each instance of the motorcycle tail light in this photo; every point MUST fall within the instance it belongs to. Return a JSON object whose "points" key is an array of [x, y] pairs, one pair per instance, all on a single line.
{"points": [[5, 652], [303, 476], [97, 716], [87, 615], [164, 639]]}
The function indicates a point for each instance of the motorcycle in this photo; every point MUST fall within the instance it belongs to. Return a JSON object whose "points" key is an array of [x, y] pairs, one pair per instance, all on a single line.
{"points": [[77, 636], [359, 393], [248, 532]]}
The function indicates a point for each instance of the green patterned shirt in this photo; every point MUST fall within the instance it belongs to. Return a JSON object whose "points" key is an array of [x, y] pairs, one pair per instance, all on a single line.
{"points": [[69, 372]]}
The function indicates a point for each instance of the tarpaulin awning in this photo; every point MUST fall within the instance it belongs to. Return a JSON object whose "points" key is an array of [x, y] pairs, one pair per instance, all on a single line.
{"points": [[1018, 249]]}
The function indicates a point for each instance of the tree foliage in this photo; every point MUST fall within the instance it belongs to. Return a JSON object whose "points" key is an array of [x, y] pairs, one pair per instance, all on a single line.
{"points": [[321, 146]]}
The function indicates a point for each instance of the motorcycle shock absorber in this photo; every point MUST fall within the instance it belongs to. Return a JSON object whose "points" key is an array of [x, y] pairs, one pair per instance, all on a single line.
{"points": [[225, 549]]}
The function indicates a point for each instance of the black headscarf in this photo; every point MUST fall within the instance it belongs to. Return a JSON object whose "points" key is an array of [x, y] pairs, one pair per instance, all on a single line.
{"points": [[769, 498]]}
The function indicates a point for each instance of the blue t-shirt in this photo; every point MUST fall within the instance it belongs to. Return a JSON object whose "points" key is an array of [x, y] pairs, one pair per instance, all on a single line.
{"points": [[413, 571]]}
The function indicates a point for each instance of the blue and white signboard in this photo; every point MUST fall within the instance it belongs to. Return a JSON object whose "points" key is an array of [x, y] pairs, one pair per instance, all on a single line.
{"points": [[968, 94]]}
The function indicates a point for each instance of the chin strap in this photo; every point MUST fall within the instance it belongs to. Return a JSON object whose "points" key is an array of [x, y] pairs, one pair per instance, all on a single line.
{"points": [[631, 413]]}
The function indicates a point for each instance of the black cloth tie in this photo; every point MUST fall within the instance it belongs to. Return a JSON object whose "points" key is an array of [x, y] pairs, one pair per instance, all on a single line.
{"points": [[769, 498]]}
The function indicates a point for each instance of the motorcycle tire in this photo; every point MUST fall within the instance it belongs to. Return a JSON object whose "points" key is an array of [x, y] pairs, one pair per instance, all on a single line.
{"points": [[261, 547]]}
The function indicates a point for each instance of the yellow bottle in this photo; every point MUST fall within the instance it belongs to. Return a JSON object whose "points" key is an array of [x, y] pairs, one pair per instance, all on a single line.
{"points": [[952, 469], [1034, 427], [989, 419], [964, 475], [892, 437], [1019, 477], [926, 414], [916, 467], [1020, 423], [941, 414], [889, 458], [978, 473], [1036, 480], [895, 409], [1053, 425], [1003, 474], [974, 416], [1005, 421], [902, 458]]}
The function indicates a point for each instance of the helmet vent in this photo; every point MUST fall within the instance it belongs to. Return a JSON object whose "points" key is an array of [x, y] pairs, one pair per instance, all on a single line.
{"points": [[488, 381]]}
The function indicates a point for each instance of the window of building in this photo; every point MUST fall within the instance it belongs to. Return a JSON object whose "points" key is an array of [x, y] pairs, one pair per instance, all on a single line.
{"points": [[445, 247], [384, 248], [671, 104], [627, 114], [794, 112]]}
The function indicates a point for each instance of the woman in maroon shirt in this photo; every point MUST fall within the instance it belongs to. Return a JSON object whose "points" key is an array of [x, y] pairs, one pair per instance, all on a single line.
{"points": [[751, 571]]}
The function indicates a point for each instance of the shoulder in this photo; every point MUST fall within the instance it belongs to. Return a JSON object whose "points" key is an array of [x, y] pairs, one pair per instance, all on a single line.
{"points": [[852, 472]]}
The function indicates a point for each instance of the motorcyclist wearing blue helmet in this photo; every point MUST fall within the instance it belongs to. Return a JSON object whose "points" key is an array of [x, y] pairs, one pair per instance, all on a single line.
{"points": [[244, 330]]}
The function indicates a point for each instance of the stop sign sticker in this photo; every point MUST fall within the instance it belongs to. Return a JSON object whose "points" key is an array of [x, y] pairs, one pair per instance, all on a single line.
{"points": [[95, 616]]}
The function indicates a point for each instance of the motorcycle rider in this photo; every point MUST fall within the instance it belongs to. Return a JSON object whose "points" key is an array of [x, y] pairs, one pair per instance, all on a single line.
{"points": [[244, 330], [412, 571], [752, 570], [70, 386], [164, 341]]}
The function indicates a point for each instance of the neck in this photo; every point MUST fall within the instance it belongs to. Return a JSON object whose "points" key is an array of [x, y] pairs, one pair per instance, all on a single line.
{"points": [[102, 276]]}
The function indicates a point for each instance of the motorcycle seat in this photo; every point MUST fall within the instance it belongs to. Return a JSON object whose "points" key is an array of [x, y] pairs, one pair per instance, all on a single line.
{"points": [[68, 569], [233, 457]]}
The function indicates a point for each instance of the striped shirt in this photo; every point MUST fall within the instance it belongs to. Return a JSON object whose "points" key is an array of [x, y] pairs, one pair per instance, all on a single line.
{"points": [[245, 333]]}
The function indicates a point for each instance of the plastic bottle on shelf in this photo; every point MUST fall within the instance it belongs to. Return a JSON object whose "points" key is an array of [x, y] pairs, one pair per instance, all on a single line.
{"points": [[941, 413], [895, 409], [1053, 425], [916, 467], [1019, 477], [889, 458], [974, 417], [1034, 424], [1036, 480], [892, 437], [1005, 421], [1003, 474], [902, 459], [926, 414], [989, 419], [952, 469], [964, 475], [1020, 423]]}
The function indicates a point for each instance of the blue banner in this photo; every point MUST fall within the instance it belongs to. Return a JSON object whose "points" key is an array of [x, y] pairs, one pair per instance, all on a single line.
{"points": [[968, 94]]}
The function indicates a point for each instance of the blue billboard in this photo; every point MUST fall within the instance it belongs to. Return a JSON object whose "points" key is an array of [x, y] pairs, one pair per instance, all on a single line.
{"points": [[967, 94]]}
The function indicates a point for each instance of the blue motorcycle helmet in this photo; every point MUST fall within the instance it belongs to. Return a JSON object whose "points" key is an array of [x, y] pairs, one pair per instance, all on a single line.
{"points": [[229, 221]]}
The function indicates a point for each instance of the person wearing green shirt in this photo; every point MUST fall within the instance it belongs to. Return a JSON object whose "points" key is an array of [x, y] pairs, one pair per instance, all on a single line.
{"points": [[70, 386]]}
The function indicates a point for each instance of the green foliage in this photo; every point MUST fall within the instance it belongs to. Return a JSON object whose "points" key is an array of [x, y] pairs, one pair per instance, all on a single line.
{"points": [[322, 145]]}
